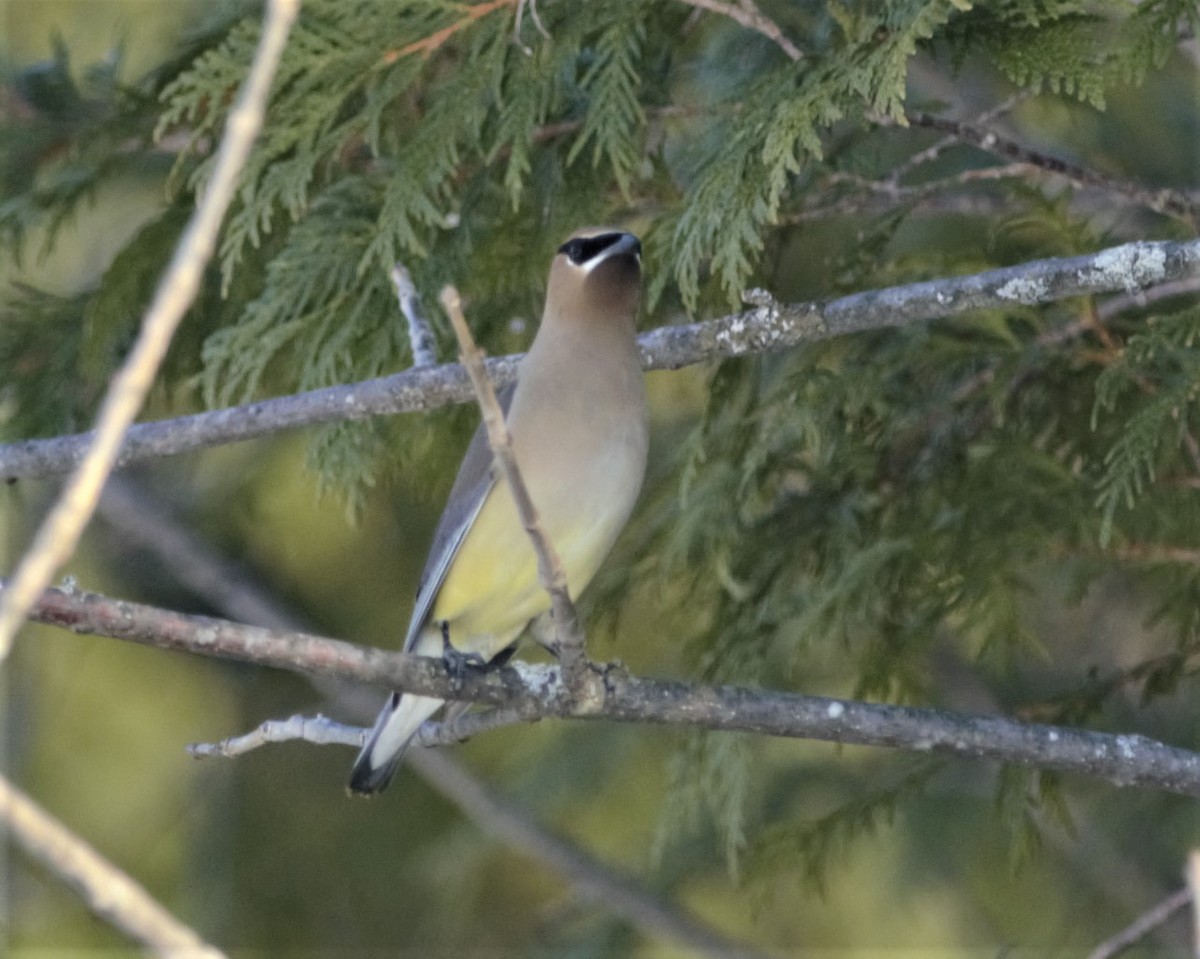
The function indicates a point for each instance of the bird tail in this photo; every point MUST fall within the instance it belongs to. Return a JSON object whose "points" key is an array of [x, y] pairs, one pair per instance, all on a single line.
{"points": [[398, 722]]}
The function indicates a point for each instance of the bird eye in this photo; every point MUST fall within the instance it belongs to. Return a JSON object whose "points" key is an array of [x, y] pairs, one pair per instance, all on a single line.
{"points": [[574, 250], [583, 249]]}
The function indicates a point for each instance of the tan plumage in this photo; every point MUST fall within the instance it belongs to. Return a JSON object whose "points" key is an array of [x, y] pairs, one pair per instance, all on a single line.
{"points": [[577, 417]]}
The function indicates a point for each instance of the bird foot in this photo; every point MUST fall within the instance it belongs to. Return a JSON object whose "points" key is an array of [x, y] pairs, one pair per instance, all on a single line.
{"points": [[457, 662]]}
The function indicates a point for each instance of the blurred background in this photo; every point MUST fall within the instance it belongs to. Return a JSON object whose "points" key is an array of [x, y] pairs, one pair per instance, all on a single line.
{"points": [[929, 515]]}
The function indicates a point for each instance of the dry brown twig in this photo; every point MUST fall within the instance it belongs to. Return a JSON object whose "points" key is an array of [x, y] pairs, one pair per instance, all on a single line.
{"points": [[747, 13], [428, 45], [569, 640]]}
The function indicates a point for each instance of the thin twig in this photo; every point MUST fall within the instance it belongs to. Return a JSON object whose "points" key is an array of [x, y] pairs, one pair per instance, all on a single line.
{"points": [[1142, 926], [420, 335], [428, 45], [593, 879], [608, 887], [871, 190], [318, 730], [934, 150], [1143, 298], [322, 731], [108, 892], [747, 13], [569, 639], [1125, 760], [59, 534], [1192, 875], [144, 520], [1165, 201], [932, 203], [1121, 269]]}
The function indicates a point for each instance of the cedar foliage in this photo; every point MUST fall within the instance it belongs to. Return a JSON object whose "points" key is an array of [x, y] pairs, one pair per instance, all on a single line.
{"points": [[854, 509]]}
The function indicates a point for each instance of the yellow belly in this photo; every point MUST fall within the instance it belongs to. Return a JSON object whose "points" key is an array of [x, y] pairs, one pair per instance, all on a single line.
{"points": [[492, 586]]}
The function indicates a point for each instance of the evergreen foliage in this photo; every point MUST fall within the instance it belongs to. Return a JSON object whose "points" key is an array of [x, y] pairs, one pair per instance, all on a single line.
{"points": [[848, 511]]}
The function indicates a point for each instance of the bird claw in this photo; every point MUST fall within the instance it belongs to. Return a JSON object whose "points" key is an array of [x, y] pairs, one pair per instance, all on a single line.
{"points": [[459, 663]]}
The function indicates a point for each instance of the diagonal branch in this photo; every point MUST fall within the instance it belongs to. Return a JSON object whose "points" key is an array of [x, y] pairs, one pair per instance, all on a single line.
{"points": [[110, 893], [616, 891], [1122, 269], [1124, 760], [568, 633], [747, 13], [1168, 202], [592, 878], [59, 534], [428, 45], [1143, 925]]}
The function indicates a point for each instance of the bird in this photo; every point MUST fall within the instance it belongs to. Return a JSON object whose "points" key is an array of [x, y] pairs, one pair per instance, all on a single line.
{"points": [[580, 431]]}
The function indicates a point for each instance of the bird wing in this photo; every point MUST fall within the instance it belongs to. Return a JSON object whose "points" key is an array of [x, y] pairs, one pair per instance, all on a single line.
{"points": [[475, 481]]}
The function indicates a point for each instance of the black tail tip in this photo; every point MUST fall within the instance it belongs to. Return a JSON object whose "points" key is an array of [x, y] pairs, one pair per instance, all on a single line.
{"points": [[367, 780]]}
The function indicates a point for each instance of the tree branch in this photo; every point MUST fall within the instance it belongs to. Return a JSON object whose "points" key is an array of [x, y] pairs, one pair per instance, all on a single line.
{"points": [[110, 893], [1124, 760], [607, 886], [1121, 269], [1143, 925], [1168, 202], [60, 532], [747, 13], [428, 45], [618, 894]]}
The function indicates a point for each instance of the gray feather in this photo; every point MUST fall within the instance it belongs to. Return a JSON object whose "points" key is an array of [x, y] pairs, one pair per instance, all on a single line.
{"points": [[475, 480]]}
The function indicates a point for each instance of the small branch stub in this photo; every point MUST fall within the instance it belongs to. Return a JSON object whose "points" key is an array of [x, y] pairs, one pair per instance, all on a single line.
{"points": [[420, 335]]}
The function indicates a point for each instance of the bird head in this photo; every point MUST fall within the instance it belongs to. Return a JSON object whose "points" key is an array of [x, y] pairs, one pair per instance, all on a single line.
{"points": [[597, 272]]}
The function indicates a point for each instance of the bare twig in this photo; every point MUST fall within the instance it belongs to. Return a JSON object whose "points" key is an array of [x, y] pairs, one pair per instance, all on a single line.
{"points": [[1192, 875], [58, 535], [1142, 926], [428, 45], [747, 13], [1125, 760], [518, 21], [1121, 269], [424, 346], [144, 520], [569, 639], [322, 731], [608, 887], [932, 203], [493, 815], [1165, 201], [110, 893], [870, 191], [1143, 298], [318, 730], [934, 150]]}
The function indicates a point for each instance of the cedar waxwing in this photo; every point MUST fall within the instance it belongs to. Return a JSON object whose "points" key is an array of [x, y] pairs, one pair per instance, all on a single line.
{"points": [[577, 416]]}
